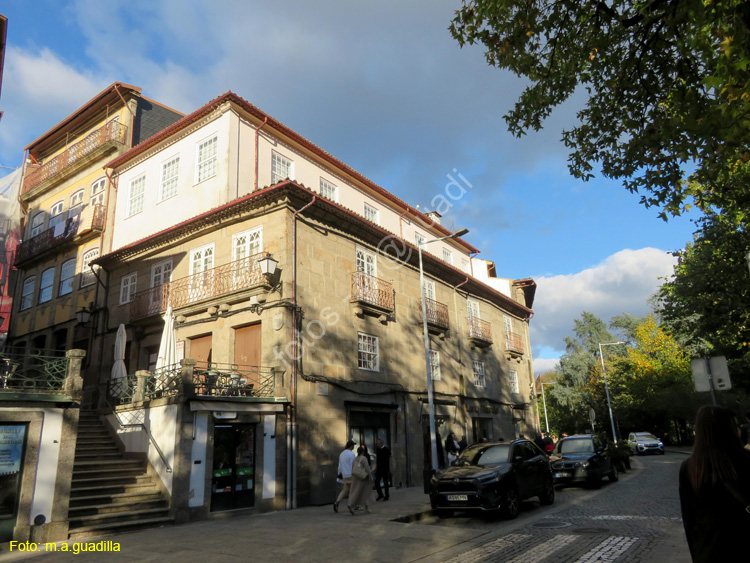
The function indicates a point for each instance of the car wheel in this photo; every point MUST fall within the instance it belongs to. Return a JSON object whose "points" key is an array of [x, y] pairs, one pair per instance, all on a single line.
{"points": [[613, 476], [510, 503], [444, 514], [547, 496], [595, 482]]}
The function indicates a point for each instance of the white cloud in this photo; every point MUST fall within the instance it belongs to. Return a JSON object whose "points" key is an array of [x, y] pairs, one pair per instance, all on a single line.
{"points": [[544, 365], [622, 283]]}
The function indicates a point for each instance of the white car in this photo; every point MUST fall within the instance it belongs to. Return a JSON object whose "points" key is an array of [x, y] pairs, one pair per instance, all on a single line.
{"points": [[643, 442]]}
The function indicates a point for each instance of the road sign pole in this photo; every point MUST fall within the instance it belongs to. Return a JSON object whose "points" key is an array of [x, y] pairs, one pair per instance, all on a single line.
{"points": [[710, 380]]}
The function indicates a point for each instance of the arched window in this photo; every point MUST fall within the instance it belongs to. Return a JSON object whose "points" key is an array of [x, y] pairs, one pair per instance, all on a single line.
{"points": [[45, 287], [27, 295], [67, 274], [97, 191], [76, 203], [87, 276]]}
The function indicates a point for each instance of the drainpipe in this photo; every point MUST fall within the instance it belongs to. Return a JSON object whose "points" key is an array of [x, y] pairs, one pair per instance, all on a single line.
{"points": [[291, 501], [257, 142], [471, 263], [106, 207]]}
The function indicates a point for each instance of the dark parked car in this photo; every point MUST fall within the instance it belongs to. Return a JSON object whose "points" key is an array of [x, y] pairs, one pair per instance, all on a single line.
{"points": [[582, 459], [643, 442], [493, 476]]}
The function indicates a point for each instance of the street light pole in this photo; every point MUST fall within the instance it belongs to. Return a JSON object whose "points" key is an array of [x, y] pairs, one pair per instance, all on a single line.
{"points": [[544, 402], [606, 386], [430, 398]]}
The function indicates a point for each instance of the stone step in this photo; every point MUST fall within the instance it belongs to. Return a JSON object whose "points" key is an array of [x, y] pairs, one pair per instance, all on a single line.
{"points": [[115, 527], [110, 472], [105, 463], [116, 498], [122, 506], [112, 517], [139, 478], [86, 489], [98, 455]]}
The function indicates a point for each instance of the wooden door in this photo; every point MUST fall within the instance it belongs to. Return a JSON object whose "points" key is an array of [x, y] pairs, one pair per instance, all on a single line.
{"points": [[247, 350], [200, 349]]}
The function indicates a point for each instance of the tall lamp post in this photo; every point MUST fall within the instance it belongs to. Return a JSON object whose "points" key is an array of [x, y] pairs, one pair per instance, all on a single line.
{"points": [[606, 386], [544, 402], [430, 399]]}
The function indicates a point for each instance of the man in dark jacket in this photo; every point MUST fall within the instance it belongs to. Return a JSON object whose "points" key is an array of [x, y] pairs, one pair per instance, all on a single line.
{"points": [[382, 469]]}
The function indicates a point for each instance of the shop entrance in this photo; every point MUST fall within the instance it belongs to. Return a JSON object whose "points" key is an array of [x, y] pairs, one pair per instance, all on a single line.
{"points": [[367, 427], [233, 476]]}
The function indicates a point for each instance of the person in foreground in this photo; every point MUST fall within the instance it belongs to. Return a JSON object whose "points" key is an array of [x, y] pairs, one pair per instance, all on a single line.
{"points": [[359, 495], [715, 488]]}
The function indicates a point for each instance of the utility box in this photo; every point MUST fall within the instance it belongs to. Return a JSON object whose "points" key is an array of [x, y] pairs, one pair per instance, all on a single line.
{"points": [[323, 484]]}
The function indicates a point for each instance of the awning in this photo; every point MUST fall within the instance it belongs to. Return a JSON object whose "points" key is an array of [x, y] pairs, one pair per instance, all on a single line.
{"points": [[231, 406]]}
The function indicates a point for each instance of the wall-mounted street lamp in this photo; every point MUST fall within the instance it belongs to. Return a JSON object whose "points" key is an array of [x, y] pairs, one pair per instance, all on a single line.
{"points": [[267, 266], [84, 314], [430, 400]]}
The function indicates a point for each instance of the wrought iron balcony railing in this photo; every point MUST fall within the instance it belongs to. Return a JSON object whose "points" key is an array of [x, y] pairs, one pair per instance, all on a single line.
{"points": [[90, 219], [233, 380], [480, 330], [113, 132], [513, 343], [372, 291], [437, 313], [32, 370], [229, 278]]}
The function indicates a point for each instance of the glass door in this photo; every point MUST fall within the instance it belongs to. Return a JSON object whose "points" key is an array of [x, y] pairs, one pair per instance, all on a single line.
{"points": [[233, 475]]}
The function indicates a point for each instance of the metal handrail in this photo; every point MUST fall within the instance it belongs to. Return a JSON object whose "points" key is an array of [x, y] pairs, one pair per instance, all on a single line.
{"points": [[140, 425], [480, 329], [514, 342], [437, 313]]}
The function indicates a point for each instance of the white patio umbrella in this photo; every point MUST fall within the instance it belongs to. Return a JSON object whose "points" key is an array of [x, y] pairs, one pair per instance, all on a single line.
{"points": [[119, 371], [168, 347]]}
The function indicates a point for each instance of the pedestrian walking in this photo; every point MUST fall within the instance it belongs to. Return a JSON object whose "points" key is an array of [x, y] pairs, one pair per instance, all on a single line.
{"points": [[463, 444], [382, 469], [361, 487], [346, 459], [451, 448], [715, 490]]}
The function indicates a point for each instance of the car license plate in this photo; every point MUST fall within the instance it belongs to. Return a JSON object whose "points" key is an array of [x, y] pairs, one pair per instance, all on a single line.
{"points": [[560, 475], [458, 497]]}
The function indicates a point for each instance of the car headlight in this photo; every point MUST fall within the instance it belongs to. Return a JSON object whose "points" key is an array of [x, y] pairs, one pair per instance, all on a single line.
{"points": [[584, 464], [487, 478]]}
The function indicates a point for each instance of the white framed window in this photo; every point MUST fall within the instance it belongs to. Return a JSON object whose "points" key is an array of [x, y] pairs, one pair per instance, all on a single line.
{"points": [[76, 203], [513, 376], [27, 294], [37, 224], [56, 214], [447, 256], [367, 262], [161, 273], [97, 191], [46, 285], [169, 173], [281, 168], [87, 276], [201, 267], [429, 289], [328, 190], [508, 326], [128, 284], [419, 239], [247, 244], [67, 274], [136, 195], [479, 377], [367, 352], [473, 308], [435, 365], [205, 162], [202, 259], [372, 214]]}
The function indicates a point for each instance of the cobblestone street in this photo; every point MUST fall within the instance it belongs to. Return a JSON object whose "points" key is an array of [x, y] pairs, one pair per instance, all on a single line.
{"points": [[630, 520]]}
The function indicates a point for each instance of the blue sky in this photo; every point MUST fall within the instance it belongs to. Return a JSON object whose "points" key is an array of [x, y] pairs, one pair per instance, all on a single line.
{"points": [[383, 87]]}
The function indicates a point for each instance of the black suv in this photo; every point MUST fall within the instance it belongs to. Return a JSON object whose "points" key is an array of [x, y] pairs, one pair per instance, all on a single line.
{"points": [[493, 476], [582, 459]]}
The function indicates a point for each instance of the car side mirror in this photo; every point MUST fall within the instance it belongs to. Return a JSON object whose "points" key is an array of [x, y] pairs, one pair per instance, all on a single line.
{"points": [[517, 459]]}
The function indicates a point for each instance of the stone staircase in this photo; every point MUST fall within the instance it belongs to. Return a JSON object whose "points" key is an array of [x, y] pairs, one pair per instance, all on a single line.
{"points": [[109, 493]]}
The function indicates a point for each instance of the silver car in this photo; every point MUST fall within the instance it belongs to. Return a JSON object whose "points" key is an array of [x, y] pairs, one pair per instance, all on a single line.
{"points": [[644, 442]]}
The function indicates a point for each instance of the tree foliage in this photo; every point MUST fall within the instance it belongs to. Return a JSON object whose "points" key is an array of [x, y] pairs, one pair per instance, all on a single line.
{"points": [[706, 303], [651, 384], [667, 84]]}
